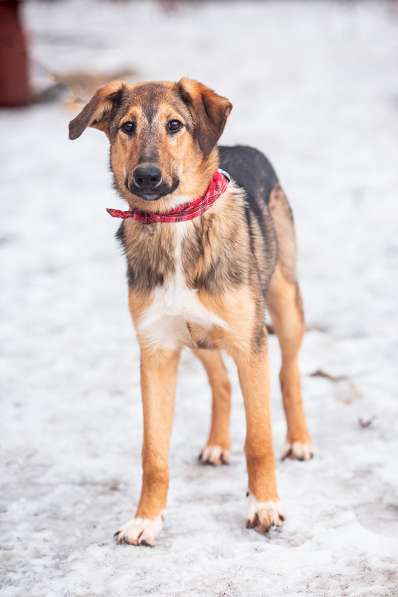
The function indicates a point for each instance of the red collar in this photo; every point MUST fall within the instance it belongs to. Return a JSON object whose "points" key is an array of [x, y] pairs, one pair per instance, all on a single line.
{"points": [[184, 212]]}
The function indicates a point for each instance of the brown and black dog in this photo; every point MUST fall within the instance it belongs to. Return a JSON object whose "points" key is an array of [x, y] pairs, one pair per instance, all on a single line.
{"points": [[205, 282]]}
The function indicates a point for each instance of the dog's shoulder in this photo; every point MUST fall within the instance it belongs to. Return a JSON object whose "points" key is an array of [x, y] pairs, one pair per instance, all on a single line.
{"points": [[250, 169]]}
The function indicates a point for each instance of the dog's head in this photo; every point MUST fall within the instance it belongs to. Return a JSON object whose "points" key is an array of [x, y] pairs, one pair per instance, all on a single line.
{"points": [[162, 136]]}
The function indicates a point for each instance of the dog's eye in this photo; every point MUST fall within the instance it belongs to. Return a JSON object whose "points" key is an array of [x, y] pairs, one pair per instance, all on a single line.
{"points": [[128, 127], [173, 126]]}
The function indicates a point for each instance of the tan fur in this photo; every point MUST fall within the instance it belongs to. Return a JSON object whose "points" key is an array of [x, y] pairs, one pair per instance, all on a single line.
{"points": [[158, 383], [283, 222], [227, 266], [181, 151], [254, 380], [284, 304], [221, 398]]}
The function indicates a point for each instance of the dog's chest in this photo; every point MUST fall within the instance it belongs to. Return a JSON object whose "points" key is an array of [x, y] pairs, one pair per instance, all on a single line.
{"points": [[167, 322]]}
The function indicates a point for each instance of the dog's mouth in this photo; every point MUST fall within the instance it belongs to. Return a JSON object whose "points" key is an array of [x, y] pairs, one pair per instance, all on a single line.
{"points": [[155, 194]]}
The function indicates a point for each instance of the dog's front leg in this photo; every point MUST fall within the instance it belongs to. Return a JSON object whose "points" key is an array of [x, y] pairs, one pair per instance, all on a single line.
{"points": [[264, 508], [158, 382]]}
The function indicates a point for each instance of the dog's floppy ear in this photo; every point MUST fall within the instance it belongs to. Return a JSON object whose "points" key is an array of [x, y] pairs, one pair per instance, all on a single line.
{"points": [[208, 109], [98, 112]]}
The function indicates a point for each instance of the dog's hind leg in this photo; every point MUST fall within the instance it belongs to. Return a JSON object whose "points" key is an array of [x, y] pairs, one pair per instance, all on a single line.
{"points": [[284, 303], [216, 450]]}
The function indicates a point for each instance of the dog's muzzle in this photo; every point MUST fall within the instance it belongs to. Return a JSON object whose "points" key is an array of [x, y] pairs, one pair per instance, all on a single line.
{"points": [[147, 182]]}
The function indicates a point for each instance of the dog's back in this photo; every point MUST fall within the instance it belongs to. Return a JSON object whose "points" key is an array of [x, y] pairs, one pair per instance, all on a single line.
{"points": [[250, 169]]}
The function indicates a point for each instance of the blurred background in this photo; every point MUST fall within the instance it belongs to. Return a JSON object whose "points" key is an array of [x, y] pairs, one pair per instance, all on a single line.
{"points": [[315, 86]]}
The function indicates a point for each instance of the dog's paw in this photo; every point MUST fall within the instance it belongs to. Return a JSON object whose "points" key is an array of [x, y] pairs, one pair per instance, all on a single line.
{"points": [[140, 531], [214, 455], [298, 451], [264, 515]]}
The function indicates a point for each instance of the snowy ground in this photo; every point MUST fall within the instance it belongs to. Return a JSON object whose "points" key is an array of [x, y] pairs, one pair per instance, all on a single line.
{"points": [[315, 85]]}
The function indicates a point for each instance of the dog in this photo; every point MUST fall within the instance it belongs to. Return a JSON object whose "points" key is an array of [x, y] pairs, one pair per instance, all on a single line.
{"points": [[210, 245]]}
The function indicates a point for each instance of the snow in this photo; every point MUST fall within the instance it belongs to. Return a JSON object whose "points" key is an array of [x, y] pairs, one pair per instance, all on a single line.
{"points": [[315, 85]]}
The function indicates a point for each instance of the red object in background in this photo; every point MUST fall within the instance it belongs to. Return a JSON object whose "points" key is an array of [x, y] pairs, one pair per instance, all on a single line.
{"points": [[14, 74]]}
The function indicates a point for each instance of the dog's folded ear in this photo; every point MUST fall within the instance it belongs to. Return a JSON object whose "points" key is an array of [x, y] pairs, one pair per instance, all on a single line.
{"points": [[99, 111], [209, 111]]}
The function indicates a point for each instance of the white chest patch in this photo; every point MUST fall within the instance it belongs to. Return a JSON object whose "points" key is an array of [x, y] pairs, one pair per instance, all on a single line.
{"points": [[164, 323]]}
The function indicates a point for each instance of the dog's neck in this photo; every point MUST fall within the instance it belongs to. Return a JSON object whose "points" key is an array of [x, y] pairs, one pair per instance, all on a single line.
{"points": [[155, 252], [207, 247]]}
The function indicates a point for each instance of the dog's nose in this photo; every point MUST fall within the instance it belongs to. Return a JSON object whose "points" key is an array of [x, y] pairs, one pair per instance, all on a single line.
{"points": [[147, 176]]}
